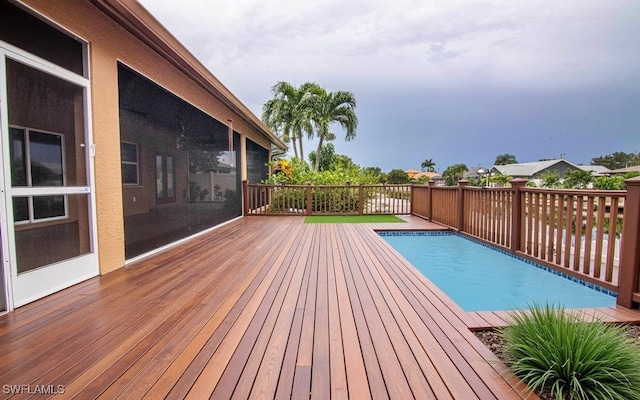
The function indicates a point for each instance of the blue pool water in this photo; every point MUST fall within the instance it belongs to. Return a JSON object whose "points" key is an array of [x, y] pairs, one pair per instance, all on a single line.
{"points": [[480, 278]]}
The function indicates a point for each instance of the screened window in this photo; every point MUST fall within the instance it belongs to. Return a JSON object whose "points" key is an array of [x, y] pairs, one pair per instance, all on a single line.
{"points": [[165, 179], [37, 160], [257, 159], [129, 157]]}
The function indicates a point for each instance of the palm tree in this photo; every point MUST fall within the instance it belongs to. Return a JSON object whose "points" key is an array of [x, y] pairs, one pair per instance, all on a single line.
{"points": [[285, 113], [428, 165], [504, 159], [325, 108], [454, 173]]}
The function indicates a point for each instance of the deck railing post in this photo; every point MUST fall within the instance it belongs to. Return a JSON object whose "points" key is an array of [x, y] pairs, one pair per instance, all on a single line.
{"points": [[629, 273], [432, 184], [516, 213], [411, 199], [309, 209], [361, 199], [462, 184], [245, 197]]}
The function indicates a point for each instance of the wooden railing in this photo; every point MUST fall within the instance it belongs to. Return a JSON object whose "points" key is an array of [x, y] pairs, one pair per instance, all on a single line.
{"points": [[487, 215], [594, 235], [444, 205], [576, 230], [326, 199]]}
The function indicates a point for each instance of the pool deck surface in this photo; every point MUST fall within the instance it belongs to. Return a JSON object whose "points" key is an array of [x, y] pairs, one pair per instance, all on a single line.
{"points": [[262, 307]]}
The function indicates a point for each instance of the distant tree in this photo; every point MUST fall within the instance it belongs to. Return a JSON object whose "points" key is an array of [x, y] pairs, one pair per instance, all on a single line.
{"points": [[617, 160], [397, 176], [504, 159], [372, 170], [428, 165], [375, 172], [343, 162], [577, 179], [454, 173]]}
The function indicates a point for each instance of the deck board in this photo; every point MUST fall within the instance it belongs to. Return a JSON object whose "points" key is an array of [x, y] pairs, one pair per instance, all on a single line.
{"points": [[264, 307]]}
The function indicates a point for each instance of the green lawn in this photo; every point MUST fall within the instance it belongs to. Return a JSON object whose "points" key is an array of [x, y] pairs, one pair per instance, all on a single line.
{"points": [[351, 219]]}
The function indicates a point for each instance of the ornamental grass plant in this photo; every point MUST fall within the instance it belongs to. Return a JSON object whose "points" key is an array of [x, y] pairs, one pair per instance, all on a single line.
{"points": [[553, 350]]}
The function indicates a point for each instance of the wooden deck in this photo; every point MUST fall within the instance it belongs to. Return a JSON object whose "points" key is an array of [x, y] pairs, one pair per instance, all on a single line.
{"points": [[264, 307]]}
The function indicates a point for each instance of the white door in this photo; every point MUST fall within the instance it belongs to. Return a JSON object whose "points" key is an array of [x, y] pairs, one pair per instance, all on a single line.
{"points": [[48, 203]]}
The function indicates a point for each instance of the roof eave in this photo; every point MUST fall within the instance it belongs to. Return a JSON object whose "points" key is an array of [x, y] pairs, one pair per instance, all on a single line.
{"points": [[133, 17]]}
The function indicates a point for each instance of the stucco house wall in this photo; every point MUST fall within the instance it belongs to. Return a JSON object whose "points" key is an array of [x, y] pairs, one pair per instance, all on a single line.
{"points": [[110, 43]]}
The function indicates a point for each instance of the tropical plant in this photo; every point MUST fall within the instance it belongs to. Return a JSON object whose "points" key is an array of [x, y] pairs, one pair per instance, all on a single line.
{"points": [[577, 179], [323, 109], [504, 159], [397, 176], [286, 114], [428, 165], [615, 182], [550, 179], [479, 182], [327, 155], [500, 180], [301, 174], [453, 173], [554, 350]]}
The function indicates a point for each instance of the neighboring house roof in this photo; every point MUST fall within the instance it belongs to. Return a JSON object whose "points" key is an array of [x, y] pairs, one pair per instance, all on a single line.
{"points": [[473, 172], [415, 174], [528, 169], [635, 168], [431, 175], [133, 17], [597, 170]]}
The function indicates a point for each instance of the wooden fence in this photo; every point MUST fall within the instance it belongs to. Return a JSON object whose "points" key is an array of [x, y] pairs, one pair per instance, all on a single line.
{"points": [[326, 199], [594, 235]]}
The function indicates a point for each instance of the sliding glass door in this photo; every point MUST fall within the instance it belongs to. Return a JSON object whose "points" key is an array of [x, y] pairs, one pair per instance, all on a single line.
{"points": [[48, 207]]}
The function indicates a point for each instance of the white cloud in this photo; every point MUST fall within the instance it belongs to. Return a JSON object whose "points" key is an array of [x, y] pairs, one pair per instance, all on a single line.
{"points": [[481, 53], [442, 42]]}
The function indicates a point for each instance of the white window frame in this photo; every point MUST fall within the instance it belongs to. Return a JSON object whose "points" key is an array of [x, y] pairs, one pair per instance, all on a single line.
{"points": [[27, 159], [136, 163]]}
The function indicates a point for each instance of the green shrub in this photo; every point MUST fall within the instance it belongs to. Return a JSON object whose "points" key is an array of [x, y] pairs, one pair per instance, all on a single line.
{"points": [[553, 350], [398, 194], [397, 176], [610, 183], [289, 199]]}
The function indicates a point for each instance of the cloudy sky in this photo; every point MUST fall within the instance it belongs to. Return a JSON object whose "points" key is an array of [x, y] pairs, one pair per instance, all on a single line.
{"points": [[456, 81]]}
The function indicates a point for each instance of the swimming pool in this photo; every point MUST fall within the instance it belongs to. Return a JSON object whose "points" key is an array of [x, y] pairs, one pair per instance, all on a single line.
{"points": [[481, 278]]}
